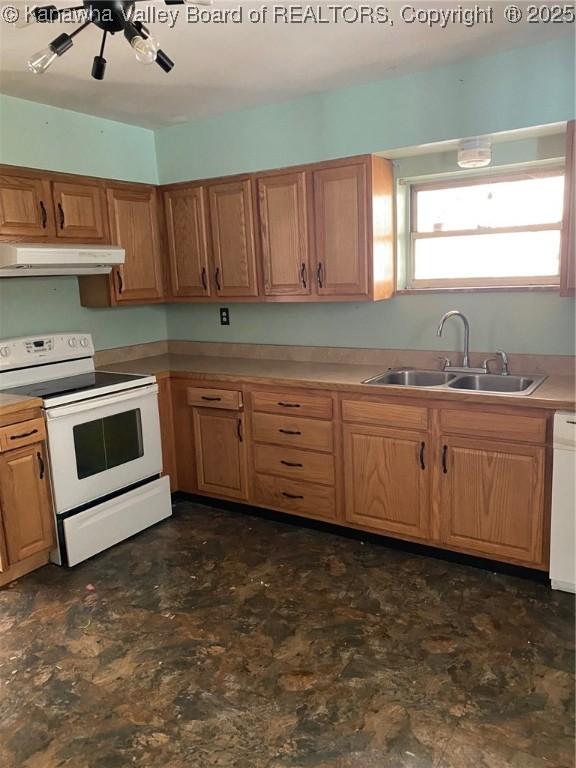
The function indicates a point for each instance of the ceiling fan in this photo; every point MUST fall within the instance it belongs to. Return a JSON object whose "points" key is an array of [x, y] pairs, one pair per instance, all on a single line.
{"points": [[111, 16]]}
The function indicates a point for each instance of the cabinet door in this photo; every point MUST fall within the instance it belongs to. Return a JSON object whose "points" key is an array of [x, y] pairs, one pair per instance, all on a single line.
{"points": [[25, 207], [134, 226], [284, 234], [220, 452], [492, 498], [568, 248], [79, 210], [187, 246], [232, 223], [341, 230], [27, 517], [387, 480]]}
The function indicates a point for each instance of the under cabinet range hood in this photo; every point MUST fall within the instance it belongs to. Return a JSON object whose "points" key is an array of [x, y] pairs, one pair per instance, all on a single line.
{"points": [[34, 259]]}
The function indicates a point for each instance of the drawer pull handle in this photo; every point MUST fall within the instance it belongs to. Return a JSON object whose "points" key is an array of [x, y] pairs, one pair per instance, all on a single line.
{"points": [[211, 399], [291, 463], [444, 454], [289, 431], [282, 404], [421, 457], [239, 430], [291, 495], [41, 466], [24, 434]]}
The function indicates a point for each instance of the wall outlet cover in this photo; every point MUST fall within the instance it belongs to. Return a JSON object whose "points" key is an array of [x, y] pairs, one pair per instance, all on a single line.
{"points": [[224, 316]]}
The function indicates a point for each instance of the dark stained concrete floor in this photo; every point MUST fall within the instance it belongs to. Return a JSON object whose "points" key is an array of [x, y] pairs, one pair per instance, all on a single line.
{"points": [[219, 639]]}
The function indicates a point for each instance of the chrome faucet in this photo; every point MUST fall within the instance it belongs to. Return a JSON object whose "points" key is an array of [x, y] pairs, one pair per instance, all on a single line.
{"points": [[457, 313]]}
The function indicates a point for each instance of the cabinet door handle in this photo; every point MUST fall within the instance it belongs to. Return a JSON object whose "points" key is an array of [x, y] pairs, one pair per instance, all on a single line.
{"points": [[303, 275], [24, 434], [211, 399], [41, 466], [291, 463], [291, 495], [217, 278], [444, 456], [120, 281], [421, 456], [239, 430], [289, 431], [320, 275], [204, 279], [283, 404], [62, 217], [43, 215]]}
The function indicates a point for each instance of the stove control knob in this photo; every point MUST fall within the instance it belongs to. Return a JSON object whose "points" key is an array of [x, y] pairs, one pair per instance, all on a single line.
{"points": [[83, 341], [72, 342], [4, 351]]}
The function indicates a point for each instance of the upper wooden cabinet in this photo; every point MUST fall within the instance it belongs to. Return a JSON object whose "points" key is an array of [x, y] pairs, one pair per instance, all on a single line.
{"points": [[186, 225], [80, 211], [284, 232], [568, 248], [233, 248], [354, 228], [134, 225], [25, 208]]}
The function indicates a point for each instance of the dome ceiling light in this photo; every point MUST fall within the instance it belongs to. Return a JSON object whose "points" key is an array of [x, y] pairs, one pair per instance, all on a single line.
{"points": [[474, 153], [111, 16]]}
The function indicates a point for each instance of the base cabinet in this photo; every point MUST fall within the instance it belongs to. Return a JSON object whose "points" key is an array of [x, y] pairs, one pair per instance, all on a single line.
{"points": [[220, 452], [492, 498], [387, 480], [27, 518]]}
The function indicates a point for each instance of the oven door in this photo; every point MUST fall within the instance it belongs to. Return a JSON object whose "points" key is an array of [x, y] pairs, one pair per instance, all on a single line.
{"points": [[102, 445]]}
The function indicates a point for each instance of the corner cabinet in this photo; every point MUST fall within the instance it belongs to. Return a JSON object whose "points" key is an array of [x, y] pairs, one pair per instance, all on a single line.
{"points": [[134, 225]]}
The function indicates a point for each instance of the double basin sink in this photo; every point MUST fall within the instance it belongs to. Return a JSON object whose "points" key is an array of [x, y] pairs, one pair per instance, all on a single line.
{"points": [[469, 382]]}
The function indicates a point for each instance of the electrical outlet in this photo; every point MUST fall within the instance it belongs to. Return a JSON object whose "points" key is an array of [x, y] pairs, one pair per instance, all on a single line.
{"points": [[224, 316]]}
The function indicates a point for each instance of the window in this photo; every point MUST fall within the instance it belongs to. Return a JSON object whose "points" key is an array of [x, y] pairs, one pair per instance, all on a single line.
{"points": [[487, 231]]}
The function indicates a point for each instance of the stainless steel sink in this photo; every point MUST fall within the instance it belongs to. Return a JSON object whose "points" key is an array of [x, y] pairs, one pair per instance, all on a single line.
{"points": [[466, 382], [485, 382], [411, 378]]}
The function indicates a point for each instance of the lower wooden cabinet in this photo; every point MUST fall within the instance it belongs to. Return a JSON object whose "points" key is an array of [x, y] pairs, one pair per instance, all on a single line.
{"points": [[27, 518], [220, 452], [492, 498], [387, 480]]}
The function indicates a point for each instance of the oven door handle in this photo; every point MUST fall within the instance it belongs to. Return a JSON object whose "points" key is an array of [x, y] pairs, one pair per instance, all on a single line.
{"points": [[100, 402]]}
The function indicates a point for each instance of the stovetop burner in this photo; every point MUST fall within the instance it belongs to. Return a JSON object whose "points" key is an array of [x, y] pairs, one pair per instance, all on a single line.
{"points": [[85, 382]]}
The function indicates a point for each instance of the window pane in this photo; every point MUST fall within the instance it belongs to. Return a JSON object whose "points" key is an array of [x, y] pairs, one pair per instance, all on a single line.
{"points": [[513, 203], [519, 254], [105, 443]]}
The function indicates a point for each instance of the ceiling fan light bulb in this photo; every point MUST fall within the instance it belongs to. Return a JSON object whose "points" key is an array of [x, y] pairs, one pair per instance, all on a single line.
{"points": [[145, 50], [39, 62]]}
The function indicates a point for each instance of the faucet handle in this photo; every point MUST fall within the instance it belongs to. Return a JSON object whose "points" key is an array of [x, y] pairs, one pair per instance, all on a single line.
{"points": [[504, 358], [485, 364], [446, 362]]}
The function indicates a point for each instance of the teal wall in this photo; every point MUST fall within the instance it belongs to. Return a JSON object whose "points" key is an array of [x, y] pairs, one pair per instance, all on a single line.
{"points": [[515, 89], [511, 90], [517, 322], [54, 139], [60, 140]]}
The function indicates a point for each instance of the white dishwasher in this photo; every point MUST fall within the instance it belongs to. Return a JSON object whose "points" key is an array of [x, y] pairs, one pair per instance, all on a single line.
{"points": [[563, 533]]}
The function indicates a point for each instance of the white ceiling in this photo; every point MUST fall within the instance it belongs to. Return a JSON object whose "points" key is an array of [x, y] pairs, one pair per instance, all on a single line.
{"points": [[226, 67]]}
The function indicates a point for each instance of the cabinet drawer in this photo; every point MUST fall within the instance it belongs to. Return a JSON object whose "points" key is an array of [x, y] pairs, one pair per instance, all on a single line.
{"points": [[385, 414], [293, 403], [525, 429], [295, 496], [207, 397], [290, 462], [23, 433], [296, 432]]}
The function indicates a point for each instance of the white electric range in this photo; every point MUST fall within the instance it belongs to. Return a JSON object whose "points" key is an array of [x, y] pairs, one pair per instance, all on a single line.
{"points": [[104, 441]]}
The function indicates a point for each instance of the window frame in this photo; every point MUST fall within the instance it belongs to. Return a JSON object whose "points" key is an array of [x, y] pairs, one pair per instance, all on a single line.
{"points": [[472, 283]]}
